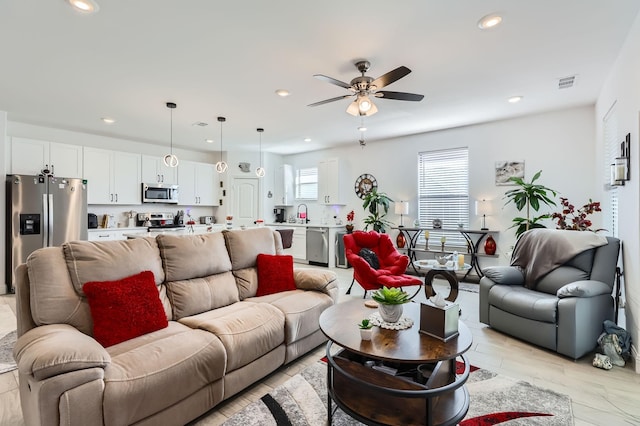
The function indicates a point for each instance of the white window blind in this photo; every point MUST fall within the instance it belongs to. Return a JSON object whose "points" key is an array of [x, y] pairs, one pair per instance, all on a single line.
{"points": [[307, 183], [443, 193], [611, 151]]}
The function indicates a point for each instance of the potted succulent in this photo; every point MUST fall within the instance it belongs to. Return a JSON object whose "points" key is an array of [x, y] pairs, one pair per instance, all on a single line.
{"points": [[390, 301], [365, 329]]}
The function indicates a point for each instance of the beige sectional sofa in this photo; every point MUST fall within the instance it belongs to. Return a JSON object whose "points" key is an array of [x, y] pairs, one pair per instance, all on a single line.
{"points": [[220, 338]]}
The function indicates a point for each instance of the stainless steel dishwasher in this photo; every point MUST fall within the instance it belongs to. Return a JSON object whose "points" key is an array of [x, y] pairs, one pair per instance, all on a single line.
{"points": [[318, 246]]}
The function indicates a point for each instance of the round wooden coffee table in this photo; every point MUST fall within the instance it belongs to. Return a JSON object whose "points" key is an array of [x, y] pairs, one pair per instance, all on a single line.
{"points": [[424, 389]]}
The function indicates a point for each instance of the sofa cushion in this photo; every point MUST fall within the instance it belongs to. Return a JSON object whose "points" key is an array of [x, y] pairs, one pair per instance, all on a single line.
{"points": [[193, 256], [125, 308], [247, 330], [245, 246], [247, 282], [275, 274], [524, 302], [196, 295], [301, 311], [153, 372]]}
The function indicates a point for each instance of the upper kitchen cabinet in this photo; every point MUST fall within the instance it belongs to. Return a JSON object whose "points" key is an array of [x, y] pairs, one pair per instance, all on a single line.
{"points": [[113, 177], [155, 171], [31, 156], [197, 184], [283, 188], [331, 182]]}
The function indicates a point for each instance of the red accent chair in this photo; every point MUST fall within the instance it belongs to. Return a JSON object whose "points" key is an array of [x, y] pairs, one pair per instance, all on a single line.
{"points": [[393, 264]]}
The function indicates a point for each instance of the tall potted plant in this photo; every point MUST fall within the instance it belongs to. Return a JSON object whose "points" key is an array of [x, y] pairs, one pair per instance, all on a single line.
{"points": [[377, 203], [528, 196]]}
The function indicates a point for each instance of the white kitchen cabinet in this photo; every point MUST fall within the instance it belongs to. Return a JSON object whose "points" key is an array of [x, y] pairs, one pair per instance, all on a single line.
{"points": [[283, 188], [113, 177], [31, 156], [198, 184], [155, 171], [298, 247], [332, 183], [110, 234]]}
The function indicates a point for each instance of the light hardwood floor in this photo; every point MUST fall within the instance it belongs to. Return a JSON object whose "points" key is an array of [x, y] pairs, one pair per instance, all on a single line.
{"points": [[599, 397]]}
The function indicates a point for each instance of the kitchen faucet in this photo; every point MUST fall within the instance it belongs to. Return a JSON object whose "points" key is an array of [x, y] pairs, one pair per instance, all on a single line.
{"points": [[303, 215]]}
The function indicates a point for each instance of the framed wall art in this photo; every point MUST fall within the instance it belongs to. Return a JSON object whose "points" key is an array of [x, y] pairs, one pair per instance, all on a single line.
{"points": [[507, 169]]}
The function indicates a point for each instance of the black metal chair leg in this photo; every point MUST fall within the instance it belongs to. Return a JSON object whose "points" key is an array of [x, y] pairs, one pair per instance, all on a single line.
{"points": [[352, 281]]}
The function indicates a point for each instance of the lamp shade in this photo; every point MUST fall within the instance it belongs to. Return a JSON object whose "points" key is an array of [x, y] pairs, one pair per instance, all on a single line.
{"points": [[483, 208], [402, 207]]}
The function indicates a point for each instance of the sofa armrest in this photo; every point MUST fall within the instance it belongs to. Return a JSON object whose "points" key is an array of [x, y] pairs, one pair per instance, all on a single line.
{"points": [[584, 288], [506, 275], [50, 350], [315, 279]]}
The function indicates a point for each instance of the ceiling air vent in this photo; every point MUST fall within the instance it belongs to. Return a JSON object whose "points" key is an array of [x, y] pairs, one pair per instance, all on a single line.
{"points": [[566, 82], [200, 123]]}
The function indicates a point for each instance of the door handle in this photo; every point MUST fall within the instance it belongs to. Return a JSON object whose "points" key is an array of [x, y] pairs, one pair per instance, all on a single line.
{"points": [[116, 197], [50, 221], [45, 233], [111, 197]]}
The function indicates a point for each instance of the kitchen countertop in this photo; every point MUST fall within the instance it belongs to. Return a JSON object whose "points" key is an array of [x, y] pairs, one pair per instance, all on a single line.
{"points": [[303, 225]]}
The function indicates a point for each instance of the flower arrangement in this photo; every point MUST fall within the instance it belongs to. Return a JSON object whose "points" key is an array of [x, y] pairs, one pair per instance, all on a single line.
{"points": [[350, 217], [571, 219]]}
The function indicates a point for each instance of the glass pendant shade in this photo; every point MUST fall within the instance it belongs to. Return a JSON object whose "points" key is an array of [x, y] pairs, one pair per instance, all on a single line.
{"points": [[171, 160], [362, 106], [221, 166], [260, 172]]}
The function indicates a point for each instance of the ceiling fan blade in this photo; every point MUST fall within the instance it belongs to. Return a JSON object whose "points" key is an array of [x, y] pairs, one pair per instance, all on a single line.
{"points": [[332, 81], [390, 77], [401, 96], [326, 101]]}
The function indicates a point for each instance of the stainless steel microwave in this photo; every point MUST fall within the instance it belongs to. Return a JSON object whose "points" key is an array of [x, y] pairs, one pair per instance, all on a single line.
{"points": [[155, 193]]}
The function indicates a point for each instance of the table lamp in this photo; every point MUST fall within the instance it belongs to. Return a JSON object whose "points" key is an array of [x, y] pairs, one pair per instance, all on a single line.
{"points": [[402, 208], [483, 207]]}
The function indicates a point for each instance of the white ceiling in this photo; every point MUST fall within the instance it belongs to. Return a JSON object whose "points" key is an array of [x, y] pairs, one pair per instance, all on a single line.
{"points": [[63, 69]]}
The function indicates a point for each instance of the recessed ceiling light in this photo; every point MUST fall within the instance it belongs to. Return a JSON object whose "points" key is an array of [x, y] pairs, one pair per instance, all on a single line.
{"points": [[84, 6], [307, 139], [282, 93], [108, 120], [362, 129], [489, 21], [514, 99], [208, 140]]}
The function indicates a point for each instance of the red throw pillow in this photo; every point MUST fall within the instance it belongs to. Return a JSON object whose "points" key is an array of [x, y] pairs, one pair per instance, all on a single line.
{"points": [[124, 309], [275, 274]]}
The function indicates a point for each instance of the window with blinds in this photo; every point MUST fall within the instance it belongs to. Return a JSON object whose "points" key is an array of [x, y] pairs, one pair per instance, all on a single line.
{"points": [[443, 193], [611, 151], [307, 184]]}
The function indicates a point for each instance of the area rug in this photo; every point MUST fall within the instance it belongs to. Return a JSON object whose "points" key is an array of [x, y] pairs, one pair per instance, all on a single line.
{"points": [[7, 338], [495, 399]]}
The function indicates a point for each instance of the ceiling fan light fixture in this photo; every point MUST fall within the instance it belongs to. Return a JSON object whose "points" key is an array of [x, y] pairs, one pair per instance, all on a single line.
{"points": [[170, 160], [84, 6], [221, 166]]}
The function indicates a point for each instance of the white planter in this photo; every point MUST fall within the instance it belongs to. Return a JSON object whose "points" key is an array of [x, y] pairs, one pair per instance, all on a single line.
{"points": [[365, 333], [390, 313]]}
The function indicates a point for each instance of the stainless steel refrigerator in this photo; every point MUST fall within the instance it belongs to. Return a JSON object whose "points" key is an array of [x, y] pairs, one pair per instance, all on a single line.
{"points": [[42, 211]]}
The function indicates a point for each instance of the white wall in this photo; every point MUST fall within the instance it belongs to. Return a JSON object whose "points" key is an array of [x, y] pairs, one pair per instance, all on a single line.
{"points": [[559, 143], [623, 88]]}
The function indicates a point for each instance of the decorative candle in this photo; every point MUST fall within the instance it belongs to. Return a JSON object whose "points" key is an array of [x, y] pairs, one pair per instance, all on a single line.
{"points": [[443, 239], [426, 234], [461, 261]]}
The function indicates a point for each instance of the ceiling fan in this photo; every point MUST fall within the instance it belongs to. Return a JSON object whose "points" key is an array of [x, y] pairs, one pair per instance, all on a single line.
{"points": [[364, 87]]}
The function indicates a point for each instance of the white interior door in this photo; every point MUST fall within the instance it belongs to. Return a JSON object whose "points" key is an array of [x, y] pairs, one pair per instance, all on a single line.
{"points": [[244, 201]]}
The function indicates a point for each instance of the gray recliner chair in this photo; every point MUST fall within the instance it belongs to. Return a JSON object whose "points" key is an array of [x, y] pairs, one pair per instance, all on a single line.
{"points": [[560, 305]]}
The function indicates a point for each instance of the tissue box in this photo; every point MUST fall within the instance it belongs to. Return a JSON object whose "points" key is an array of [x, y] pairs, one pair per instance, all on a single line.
{"points": [[439, 322]]}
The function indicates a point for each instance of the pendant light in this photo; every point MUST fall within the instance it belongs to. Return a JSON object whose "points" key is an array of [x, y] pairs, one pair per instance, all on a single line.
{"points": [[171, 160], [221, 166], [260, 170]]}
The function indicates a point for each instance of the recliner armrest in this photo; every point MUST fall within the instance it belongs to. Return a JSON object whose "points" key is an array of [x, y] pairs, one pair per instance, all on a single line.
{"points": [[584, 288], [50, 350], [507, 275], [314, 279]]}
